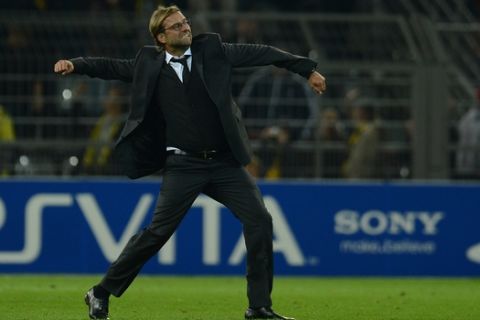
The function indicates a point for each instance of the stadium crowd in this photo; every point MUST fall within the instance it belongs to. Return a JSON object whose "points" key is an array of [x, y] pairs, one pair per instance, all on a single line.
{"points": [[295, 135]]}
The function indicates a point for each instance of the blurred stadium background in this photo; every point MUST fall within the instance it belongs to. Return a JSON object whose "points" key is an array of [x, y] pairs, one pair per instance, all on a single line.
{"points": [[377, 176], [402, 78]]}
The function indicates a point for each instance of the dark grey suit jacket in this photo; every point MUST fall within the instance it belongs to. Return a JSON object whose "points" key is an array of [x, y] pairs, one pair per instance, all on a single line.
{"points": [[141, 146]]}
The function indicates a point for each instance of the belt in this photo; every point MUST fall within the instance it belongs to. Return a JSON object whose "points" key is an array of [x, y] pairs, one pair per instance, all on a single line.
{"points": [[205, 154]]}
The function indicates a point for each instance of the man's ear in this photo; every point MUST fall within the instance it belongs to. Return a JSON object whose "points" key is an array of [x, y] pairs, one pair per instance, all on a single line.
{"points": [[161, 38]]}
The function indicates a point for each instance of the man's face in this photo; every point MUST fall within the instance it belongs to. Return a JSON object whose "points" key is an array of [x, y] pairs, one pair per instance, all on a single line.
{"points": [[177, 33]]}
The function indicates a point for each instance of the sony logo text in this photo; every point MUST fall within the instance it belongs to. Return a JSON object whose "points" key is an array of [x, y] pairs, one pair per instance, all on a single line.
{"points": [[377, 222]]}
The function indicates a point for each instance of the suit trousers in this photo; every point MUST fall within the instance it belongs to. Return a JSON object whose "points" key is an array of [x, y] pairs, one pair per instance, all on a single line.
{"points": [[224, 180]]}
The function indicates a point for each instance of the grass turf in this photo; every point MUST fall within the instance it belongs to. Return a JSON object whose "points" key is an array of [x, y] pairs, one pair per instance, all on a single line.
{"points": [[215, 298]]}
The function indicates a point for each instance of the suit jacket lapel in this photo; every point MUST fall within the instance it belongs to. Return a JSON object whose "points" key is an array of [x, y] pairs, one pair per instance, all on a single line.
{"points": [[154, 71], [197, 61], [143, 93]]}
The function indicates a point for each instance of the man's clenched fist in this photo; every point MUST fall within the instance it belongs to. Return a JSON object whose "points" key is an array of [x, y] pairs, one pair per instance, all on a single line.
{"points": [[63, 67]]}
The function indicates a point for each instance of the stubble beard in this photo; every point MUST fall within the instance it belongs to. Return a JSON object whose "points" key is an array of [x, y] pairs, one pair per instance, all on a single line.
{"points": [[182, 43]]}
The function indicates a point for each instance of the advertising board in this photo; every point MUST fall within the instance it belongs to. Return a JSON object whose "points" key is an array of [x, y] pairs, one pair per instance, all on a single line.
{"points": [[56, 226]]}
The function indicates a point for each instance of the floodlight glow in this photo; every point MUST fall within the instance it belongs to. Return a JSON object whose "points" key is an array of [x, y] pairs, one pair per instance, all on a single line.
{"points": [[73, 161], [24, 161], [67, 94]]}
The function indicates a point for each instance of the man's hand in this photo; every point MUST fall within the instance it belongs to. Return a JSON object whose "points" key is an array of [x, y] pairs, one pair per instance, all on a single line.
{"points": [[63, 67], [317, 82]]}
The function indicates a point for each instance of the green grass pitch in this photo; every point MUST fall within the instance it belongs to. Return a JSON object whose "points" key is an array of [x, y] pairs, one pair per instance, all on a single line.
{"points": [[219, 298]]}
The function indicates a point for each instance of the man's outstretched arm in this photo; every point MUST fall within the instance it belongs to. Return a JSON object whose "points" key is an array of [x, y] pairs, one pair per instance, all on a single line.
{"points": [[249, 55], [97, 67]]}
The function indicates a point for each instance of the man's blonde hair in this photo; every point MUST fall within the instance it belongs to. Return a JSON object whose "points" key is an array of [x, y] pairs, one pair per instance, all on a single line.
{"points": [[157, 18]]}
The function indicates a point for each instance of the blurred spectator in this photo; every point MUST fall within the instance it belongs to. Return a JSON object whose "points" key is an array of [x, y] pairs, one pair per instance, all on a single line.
{"points": [[96, 159], [7, 134], [37, 107], [121, 27], [255, 167], [273, 95], [363, 143], [329, 127], [248, 31], [331, 137], [80, 100], [468, 154], [196, 10], [7, 131], [16, 57], [274, 154]]}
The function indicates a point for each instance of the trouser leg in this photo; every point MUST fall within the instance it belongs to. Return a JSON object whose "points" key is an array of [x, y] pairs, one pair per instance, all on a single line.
{"points": [[232, 186], [180, 187], [138, 250]]}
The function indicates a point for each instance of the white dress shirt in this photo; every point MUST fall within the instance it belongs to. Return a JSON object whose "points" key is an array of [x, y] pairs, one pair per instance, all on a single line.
{"points": [[177, 66]]}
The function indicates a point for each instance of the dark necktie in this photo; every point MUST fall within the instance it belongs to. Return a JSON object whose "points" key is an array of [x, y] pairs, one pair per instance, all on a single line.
{"points": [[186, 71]]}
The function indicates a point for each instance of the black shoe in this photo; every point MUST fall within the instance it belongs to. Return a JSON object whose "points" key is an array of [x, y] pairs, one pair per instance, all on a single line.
{"points": [[264, 313], [97, 308]]}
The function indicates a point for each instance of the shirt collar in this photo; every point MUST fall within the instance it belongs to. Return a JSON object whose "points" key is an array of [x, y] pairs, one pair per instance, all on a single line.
{"points": [[168, 56]]}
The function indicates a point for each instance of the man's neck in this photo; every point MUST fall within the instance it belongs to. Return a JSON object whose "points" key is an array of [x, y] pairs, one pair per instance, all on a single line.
{"points": [[176, 52]]}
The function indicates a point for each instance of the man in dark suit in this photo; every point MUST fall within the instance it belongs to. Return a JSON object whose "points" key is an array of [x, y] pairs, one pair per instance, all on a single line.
{"points": [[183, 120]]}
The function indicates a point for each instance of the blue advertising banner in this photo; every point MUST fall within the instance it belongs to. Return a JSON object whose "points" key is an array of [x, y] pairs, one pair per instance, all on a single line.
{"points": [[319, 229]]}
